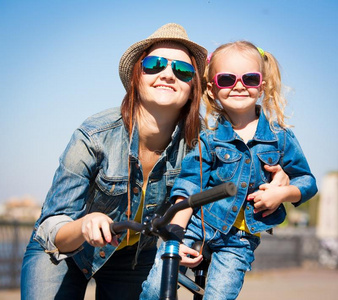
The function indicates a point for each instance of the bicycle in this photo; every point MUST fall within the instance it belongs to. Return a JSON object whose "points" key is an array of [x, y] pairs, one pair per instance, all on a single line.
{"points": [[172, 235]]}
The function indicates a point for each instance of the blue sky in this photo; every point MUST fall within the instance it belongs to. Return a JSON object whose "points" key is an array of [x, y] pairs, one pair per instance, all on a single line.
{"points": [[59, 65]]}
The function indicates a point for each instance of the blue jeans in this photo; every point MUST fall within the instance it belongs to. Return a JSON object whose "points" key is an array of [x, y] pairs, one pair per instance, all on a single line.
{"points": [[117, 279], [232, 256]]}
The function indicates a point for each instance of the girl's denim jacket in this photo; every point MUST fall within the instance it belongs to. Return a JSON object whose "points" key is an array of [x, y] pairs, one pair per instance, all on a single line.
{"points": [[226, 157], [93, 177]]}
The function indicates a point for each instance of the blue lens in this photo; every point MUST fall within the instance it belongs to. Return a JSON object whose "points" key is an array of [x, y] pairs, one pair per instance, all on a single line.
{"points": [[156, 64], [183, 70]]}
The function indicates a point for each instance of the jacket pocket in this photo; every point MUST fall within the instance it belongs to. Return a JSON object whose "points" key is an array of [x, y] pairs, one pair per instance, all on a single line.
{"points": [[270, 158], [109, 193], [170, 177], [227, 163]]}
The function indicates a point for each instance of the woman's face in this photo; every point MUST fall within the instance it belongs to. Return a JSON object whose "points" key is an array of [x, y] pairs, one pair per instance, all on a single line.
{"points": [[164, 89], [238, 99]]}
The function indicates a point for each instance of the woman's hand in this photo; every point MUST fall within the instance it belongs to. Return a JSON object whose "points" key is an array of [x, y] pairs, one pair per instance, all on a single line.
{"points": [[95, 229], [278, 175], [187, 261], [91, 228]]}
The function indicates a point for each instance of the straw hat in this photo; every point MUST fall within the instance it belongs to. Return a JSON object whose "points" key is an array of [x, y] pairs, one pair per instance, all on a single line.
{"points": [[168, 32]]}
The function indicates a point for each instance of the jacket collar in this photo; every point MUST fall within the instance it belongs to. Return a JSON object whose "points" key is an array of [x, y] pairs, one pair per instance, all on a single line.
{"points": [[134, 144], [263, 133]]}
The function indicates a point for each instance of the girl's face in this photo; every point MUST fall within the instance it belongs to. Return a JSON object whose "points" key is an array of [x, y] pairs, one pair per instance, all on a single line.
{"points": [[164, 89], [238, 99]]}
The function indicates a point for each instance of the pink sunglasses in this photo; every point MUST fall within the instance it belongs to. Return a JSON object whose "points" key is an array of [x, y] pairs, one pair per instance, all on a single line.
{"points": [[229, 80]]}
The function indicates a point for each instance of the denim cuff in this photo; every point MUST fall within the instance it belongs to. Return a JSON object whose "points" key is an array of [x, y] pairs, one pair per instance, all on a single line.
{"points": [[183, 188], [46, 233]]}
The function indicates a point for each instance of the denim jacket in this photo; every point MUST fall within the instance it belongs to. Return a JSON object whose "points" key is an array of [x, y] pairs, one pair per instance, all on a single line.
{"points": [[92, 177], [226, 157]]}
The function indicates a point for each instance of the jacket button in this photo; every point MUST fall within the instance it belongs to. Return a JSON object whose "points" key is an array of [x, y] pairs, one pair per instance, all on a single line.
{"points": [[247, 161], [85, 271], [270, 160], [248, 208], [234, 208], [227, 156], [102, 254], [243, 184], [225, 227], [135, 190], [252, 229]]}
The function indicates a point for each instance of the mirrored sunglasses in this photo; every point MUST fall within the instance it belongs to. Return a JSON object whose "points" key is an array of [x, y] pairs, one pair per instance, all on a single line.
{"points": [[156, 64]]}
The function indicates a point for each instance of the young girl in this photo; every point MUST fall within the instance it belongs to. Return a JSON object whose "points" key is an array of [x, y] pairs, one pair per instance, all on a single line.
{"points": [[241, 138]]}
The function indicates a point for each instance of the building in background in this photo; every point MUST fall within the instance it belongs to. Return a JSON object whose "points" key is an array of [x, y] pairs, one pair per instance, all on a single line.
{"points": [[327, 226], [24, 209]]}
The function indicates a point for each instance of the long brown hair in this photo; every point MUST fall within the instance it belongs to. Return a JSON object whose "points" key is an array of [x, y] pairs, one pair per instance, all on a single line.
{"points": [[189, 114]]}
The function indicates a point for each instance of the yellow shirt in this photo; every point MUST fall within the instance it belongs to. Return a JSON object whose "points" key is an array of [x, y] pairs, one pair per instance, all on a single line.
{"points": [[133, 235], [241, 224]]}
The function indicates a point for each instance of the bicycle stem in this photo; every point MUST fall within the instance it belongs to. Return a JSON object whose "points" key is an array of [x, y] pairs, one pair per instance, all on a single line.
{"points": [[171, 260]]}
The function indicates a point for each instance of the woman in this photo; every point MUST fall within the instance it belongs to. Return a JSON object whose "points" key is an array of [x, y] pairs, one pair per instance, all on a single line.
{"points": [[120, 164]]}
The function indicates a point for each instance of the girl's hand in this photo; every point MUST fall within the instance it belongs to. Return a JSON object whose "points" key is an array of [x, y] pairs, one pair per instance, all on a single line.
{"points": [[96, 231], [187, 261]]}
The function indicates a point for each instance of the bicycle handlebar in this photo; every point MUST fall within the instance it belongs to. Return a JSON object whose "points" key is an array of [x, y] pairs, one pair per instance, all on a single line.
{"points": [[221, 191], [117, 227]]}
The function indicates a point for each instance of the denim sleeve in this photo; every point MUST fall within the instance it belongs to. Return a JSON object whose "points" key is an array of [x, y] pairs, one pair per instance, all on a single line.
{"points": [[296, 166], [189, 180], [46, 232], [67, 197]]}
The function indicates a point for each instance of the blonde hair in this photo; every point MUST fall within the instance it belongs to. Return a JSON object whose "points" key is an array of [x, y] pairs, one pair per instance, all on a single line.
{"points": [[273, 102]]}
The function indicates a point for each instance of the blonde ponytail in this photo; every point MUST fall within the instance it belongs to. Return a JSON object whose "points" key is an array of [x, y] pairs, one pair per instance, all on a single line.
{"points": [[273, 102]]}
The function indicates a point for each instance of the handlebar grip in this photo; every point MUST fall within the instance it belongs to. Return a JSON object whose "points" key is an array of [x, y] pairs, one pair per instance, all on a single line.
{"points": [[119, 227], [221, 191]]}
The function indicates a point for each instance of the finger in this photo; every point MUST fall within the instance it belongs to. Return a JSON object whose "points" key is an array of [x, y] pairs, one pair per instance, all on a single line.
{"points": [[97, 235], [105, 231], [267, 213], [258, 207], [191, 262], [86, 231], [264, 186], [272, 169], [191, 252], [114, 241], [258, 210], [186, 250], [257, 199], [254, 195], [251, 197]]}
